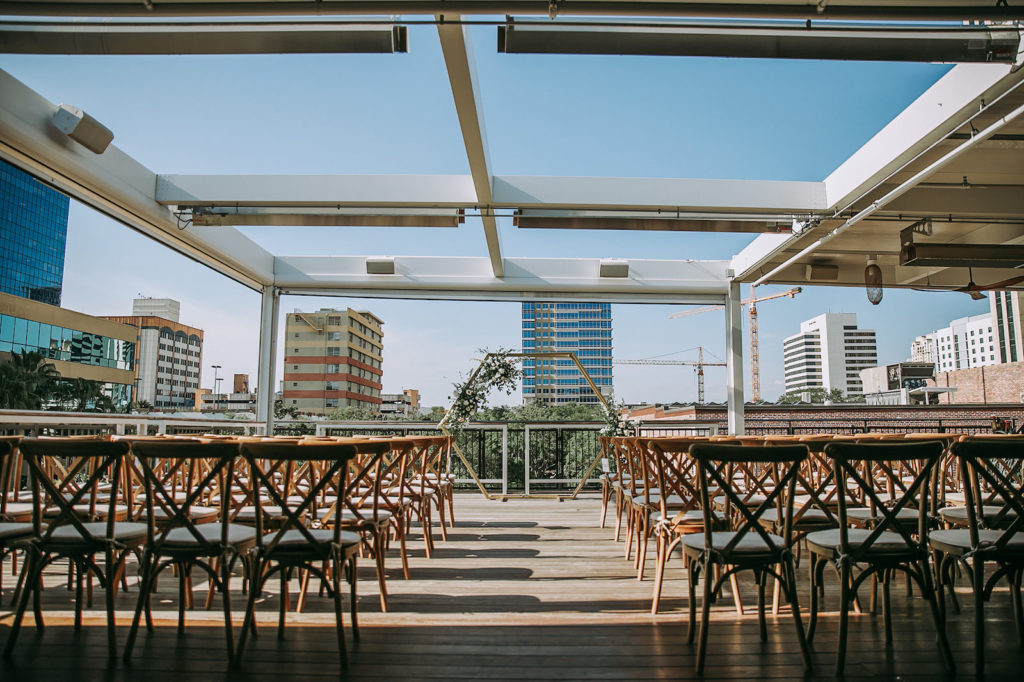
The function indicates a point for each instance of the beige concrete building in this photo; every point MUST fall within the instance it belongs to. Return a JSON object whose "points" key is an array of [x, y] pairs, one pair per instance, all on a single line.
{"points": [[79, 346], [332, 359]]}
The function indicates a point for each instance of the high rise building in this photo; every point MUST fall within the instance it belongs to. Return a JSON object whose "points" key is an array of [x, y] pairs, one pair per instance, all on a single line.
{"points": [[170, 354], [966, 342], [79, 346], [582, 328], [33, 232], [829, 353], [332, 359], [1005, 309]]}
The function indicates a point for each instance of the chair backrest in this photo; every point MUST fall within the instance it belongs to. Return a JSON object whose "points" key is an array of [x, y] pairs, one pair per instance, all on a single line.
{"points": [[859, 464], [63, 488], [10, 471], [362, 493], [266, 459], [676, 476], [715, 468], [995, 467], [198, 471]]}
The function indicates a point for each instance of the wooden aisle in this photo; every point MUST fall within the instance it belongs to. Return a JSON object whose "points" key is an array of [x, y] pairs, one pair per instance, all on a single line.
{"points": [[521, 590]]}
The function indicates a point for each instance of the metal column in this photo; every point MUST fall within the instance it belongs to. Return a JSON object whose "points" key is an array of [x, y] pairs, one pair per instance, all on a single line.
{"points": [[268, 357], [734, 359]]}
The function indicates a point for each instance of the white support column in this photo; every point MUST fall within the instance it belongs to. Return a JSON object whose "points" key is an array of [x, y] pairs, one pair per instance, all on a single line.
{"points": [[734, 359], [268, 357]]}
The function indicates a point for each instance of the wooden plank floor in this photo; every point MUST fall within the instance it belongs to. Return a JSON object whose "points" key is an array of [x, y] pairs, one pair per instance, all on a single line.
{"points": [[522, 589]]}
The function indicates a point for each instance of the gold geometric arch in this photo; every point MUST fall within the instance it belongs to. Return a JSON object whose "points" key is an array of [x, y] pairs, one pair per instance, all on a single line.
{"points": [[537, 355]]}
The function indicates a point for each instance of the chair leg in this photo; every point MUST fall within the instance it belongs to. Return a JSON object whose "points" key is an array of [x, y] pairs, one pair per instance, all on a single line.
{"points": [[285, 575], [693, 572], [145, 586], [734, 585], [451, 506], [605, 490], [225, 584], [1015, 582], [642, 536], [336, 585], [705, 617], [255, 587], [788, 571], [32, 569], [401, 546], [353, 574], [978, 578], [887, 606], [440, 516], [379, 556], [110, 573], [762, 579], [618, 515], [844, 613], [928, 589], [659, 569]]}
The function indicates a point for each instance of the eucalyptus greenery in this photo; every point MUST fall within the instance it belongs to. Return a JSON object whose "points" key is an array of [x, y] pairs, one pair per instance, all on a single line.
{"points": [[499, 371]]}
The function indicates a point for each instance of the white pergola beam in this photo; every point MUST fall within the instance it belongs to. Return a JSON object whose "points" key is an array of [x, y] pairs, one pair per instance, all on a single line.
{"points": [[115, 184], [421, 191], [669, 195], [458, 58], [929, 119], [771, 196], [524, 279]]}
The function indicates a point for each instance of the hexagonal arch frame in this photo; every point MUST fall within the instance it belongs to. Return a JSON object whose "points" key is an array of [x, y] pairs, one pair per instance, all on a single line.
{"points": [[540, 355]]}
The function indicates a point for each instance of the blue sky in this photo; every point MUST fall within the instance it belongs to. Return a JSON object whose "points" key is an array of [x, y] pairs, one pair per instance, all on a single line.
{"points": [[545, 115]]}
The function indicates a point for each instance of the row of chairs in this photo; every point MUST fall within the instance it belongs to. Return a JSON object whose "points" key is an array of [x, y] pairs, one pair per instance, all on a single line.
{"points": [[276, 507], [869, 507]]}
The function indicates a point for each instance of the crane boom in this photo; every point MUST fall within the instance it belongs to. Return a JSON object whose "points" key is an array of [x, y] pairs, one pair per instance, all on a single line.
{"points": [[698, 363], [755, 353]]}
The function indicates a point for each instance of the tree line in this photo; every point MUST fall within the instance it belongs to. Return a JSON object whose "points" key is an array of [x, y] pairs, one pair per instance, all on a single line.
{"points": [[29, 382]]}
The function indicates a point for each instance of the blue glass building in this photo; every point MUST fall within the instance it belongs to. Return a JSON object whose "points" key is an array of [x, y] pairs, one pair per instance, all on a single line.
{"points": [[33, 232], [582, 328]]}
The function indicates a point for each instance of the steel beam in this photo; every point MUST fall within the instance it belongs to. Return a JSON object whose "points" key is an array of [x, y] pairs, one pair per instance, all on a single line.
{"points": [[458, 58], [269, 326], [197, 38], [734, 360], [958, 10]]}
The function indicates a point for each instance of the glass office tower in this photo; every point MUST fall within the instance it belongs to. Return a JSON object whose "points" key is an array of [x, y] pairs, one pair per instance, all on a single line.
{"points": [[582, 328], [33, 232]]}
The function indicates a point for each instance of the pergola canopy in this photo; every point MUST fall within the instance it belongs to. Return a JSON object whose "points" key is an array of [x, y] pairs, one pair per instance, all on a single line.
{"points": [[947, 172]]}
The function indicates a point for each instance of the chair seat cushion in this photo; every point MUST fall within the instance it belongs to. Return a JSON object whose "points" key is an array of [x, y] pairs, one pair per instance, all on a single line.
{"points": [[294, 539], [13, 531], [958, 515], [125, 533], [349, 518], [196, 513], [864, 514], [210, 532], [17, 511], [957, 541], [691, 517], [827, 541], [753, 501], [673, 501], [810, 517], [750, 544]]}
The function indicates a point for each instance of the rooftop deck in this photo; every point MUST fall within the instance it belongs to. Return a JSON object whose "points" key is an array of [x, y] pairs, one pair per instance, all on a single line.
{"points": [[521, 589]]}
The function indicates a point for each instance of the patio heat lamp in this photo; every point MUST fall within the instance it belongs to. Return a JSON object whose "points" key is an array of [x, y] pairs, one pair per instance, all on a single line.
{"points": [[873, 281]]}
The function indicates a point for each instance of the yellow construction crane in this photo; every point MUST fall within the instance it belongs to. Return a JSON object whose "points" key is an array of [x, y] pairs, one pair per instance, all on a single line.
{"points": [[755, 359], [698, 363]]}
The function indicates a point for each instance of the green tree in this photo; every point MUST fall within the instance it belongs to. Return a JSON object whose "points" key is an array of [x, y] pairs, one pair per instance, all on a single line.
{"points": [[27, 381], [816, 396], [354, 413]]}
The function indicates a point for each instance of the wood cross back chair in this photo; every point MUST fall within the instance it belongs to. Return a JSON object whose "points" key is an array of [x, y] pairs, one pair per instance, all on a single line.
{"points": [[61, 498], [362, 508], [422, 487], [641, 498], [889, 544], [679, 512], [15, 517], [177, 537], [621, 483], [292, 545], [748, 546], [993, 483]]}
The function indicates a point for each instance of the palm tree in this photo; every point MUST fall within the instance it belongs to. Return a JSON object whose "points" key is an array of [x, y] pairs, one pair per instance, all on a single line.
{"points": [[27, 380]]}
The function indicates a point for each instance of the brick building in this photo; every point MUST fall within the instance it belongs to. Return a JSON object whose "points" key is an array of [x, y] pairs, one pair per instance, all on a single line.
{"points": [[1002, 383], [332, 359]]}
